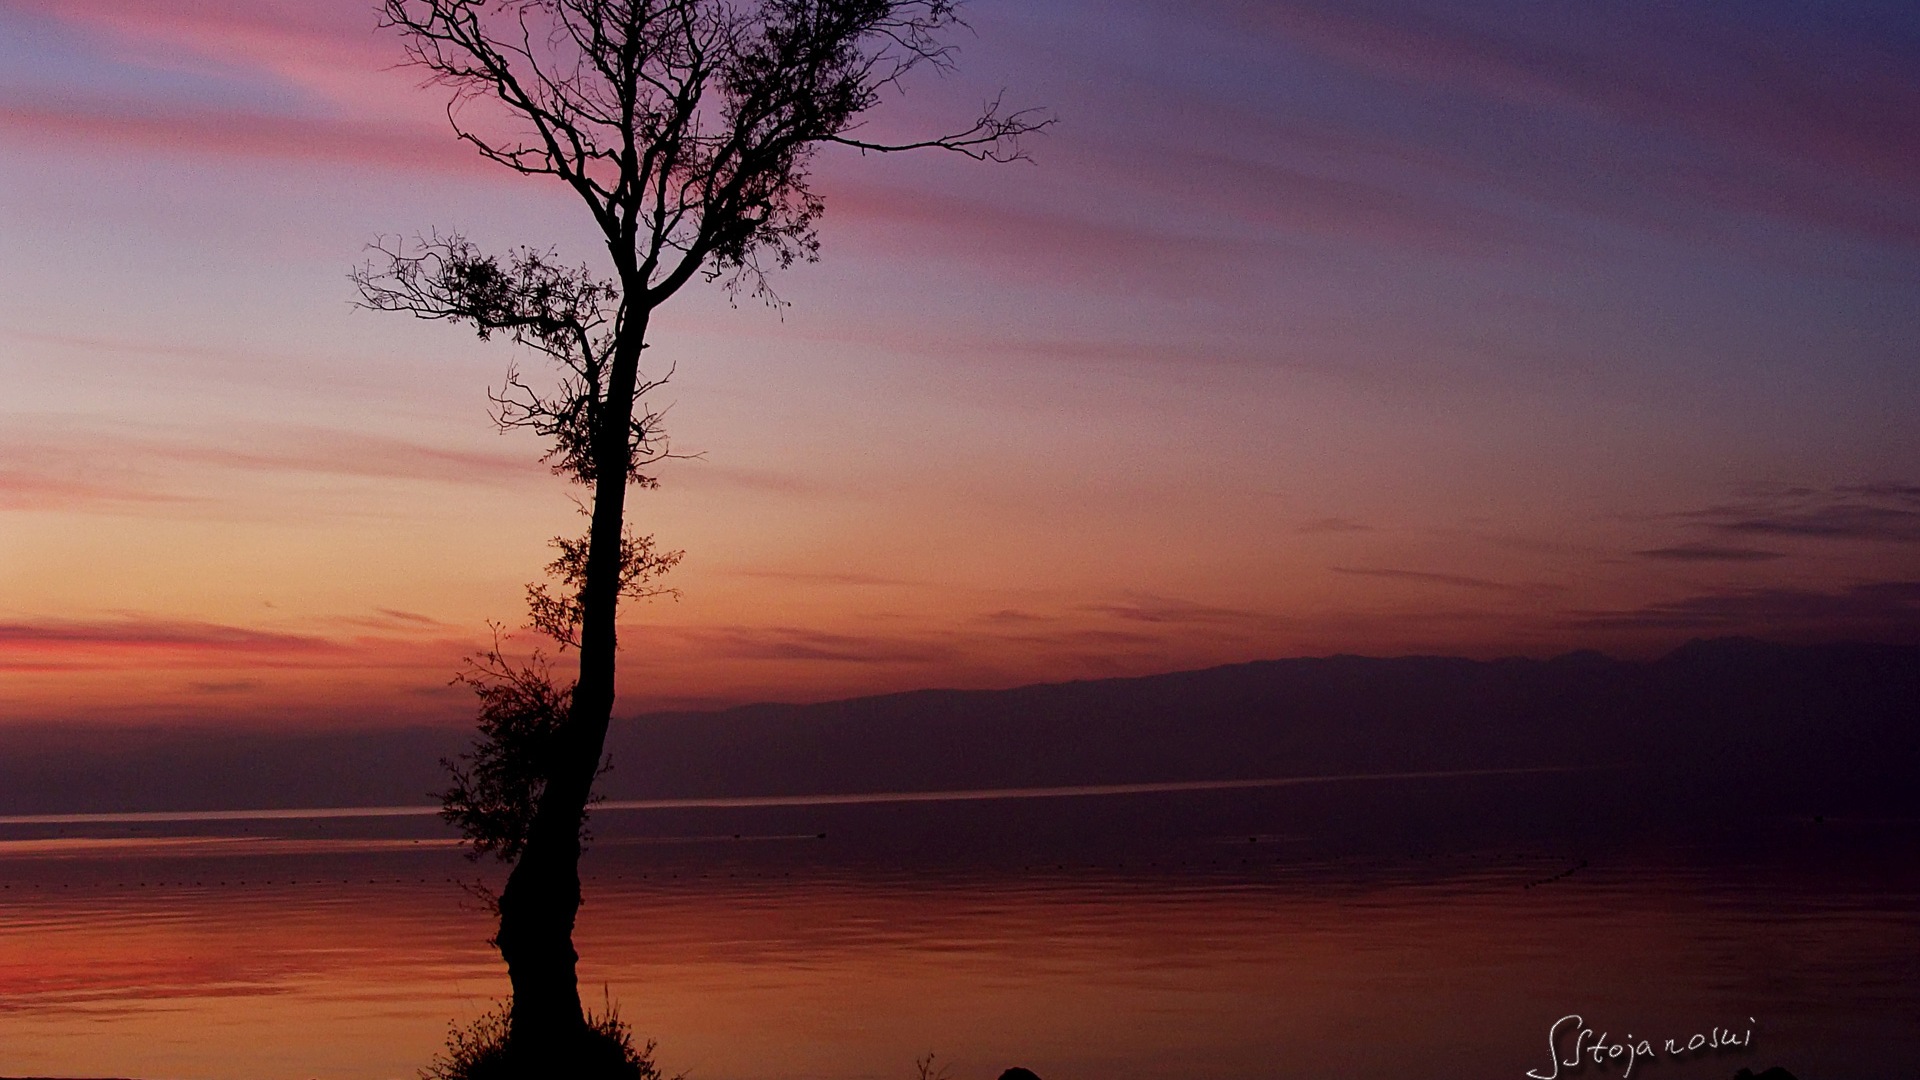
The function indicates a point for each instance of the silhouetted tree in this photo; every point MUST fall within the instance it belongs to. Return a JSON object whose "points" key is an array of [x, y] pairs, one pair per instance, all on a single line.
{"points": [[687, 128]]}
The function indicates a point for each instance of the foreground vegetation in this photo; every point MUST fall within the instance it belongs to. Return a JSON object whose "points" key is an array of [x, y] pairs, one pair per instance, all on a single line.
{"points": [[484, 1050]]}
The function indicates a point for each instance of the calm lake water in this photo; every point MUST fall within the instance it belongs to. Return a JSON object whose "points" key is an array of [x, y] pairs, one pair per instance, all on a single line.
{"points": [[1229, 935]]}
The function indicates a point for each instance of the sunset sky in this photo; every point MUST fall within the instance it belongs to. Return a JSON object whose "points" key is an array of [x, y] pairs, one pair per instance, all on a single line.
{"points": [[1315, 326]]}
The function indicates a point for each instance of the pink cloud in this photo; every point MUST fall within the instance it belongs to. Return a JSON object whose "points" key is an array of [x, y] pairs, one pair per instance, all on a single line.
{"points": [[1455, 580], [210, 132], [330, 49], [1347, 198], [132, 643], [59, 459], [760, 643], [1039, 245], [358, 454], [55, 644], [22, 489], [308, 24], [390, 620]]}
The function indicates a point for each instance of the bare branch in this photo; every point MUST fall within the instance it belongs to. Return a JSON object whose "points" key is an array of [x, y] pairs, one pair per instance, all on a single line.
{"points": [[565, 313], [992, 137], [688, 126]]}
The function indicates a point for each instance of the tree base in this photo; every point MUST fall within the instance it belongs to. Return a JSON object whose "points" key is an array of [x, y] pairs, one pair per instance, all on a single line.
{"points": [[485, 1050]]}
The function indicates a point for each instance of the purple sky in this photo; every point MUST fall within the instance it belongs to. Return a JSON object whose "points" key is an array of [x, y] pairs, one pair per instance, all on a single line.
{"points": [[1384, 327]]}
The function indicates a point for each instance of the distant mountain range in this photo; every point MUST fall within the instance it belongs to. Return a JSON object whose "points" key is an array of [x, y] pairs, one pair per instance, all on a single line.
{"points": [[1738, 721]]}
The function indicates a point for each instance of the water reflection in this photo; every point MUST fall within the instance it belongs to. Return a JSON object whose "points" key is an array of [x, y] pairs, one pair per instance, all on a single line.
{"points": [[754, 947]]}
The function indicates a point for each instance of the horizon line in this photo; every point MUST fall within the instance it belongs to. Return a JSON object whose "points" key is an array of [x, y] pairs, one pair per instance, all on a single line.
{"points": [[746, 801]]}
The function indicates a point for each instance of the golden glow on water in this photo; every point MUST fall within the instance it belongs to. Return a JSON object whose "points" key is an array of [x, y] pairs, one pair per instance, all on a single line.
{"points": [[347, 958]]}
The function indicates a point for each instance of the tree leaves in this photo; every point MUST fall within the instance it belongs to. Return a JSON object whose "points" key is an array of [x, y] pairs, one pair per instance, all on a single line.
{"points": [[496, 786], [559, 617]]}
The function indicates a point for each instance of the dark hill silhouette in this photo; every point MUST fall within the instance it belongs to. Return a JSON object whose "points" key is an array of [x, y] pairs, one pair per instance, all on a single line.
{"points": [[1762, 723], [1732, 723]]}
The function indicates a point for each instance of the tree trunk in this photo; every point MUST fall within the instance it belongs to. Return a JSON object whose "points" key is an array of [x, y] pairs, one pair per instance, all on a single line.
{"points": [[542, 897]]}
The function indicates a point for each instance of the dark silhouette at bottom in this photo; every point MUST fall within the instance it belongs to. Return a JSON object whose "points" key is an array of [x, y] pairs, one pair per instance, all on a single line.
{"points": [[1775, 1073], [1018, 1073]]}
